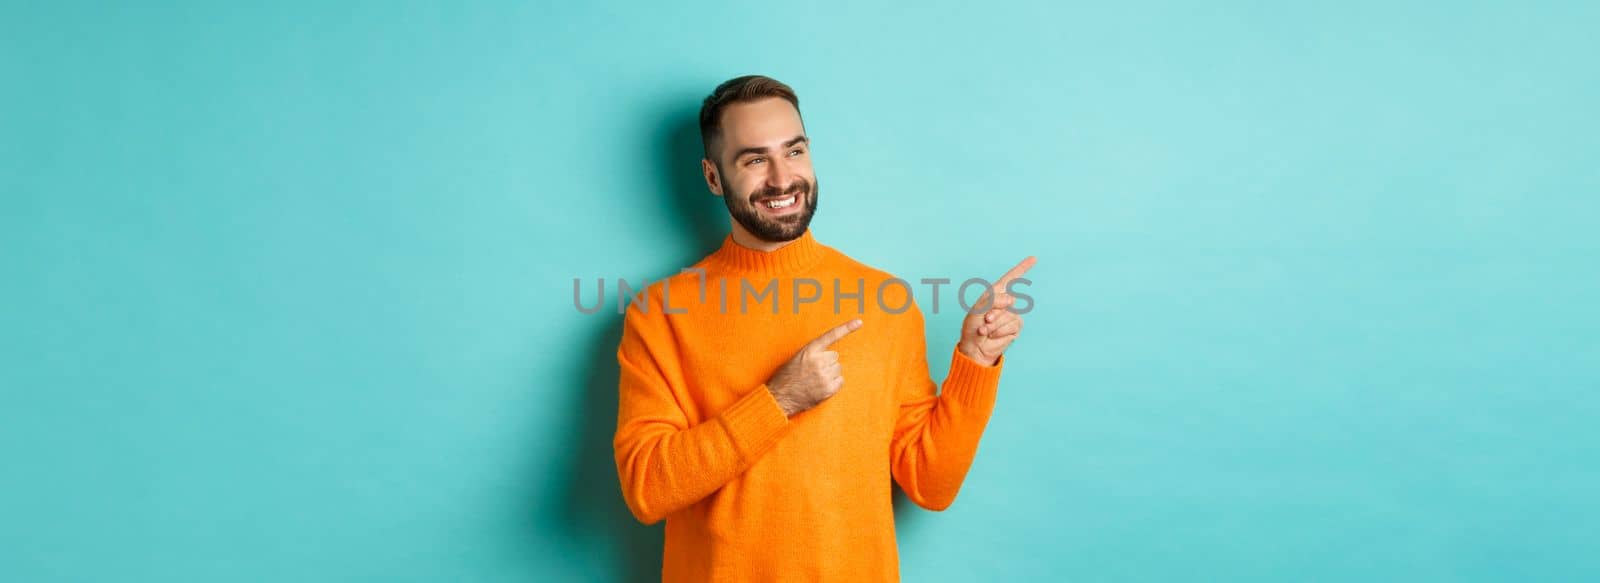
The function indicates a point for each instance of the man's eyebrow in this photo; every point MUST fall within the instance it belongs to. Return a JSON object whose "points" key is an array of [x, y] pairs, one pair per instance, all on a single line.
{"points": [[753, 150]]}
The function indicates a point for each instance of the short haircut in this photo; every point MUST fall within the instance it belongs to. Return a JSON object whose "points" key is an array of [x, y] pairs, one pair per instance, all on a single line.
{"points": [[737, 90]]}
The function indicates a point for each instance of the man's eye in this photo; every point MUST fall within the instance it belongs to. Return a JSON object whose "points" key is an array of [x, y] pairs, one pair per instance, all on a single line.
{"points": [[794, 152], [756, 160]]}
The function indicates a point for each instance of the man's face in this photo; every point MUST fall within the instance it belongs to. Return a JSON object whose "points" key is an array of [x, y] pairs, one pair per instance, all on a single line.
{"points": [[764, 169]]}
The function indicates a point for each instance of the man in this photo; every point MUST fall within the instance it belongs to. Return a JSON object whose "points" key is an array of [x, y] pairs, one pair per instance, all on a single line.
{"points": [[766, 422]]}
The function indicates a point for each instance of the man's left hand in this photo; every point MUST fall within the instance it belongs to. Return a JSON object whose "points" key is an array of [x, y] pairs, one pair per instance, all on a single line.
{"points": [[990, 326]]}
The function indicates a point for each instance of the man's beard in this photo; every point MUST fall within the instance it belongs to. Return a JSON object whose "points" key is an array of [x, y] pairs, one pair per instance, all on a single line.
{"points": [[775, 229]]}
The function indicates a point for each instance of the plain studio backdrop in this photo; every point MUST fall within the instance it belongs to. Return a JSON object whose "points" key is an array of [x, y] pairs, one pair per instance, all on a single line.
{"points": [[286, 289]]}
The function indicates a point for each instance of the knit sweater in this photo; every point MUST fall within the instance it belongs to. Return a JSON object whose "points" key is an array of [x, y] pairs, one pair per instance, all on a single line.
{"points": [[748, 493]]}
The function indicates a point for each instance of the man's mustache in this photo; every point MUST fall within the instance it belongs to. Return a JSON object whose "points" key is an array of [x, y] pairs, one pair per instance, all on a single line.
{"points": [[799, 187]]}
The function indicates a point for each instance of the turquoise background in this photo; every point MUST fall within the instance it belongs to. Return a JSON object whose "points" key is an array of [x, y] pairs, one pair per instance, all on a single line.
{"points": [[287, 288]]}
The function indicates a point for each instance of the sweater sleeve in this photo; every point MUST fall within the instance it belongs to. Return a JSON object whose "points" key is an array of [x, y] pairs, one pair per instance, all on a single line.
{"points": [[664, 463], [936, 436]]}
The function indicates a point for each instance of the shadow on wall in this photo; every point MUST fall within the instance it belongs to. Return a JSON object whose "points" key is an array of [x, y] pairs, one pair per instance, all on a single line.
{"points": [[591, 506]]}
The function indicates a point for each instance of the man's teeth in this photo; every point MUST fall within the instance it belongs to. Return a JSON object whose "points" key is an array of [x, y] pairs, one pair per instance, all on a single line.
{"points": [[780, 203]]}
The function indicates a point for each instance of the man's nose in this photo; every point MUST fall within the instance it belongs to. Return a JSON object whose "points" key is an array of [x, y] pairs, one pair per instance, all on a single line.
{"points": [[779, 174]]}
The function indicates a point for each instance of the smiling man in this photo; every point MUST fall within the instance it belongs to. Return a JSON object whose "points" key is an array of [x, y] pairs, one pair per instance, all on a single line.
{"points": [[767, 432]]}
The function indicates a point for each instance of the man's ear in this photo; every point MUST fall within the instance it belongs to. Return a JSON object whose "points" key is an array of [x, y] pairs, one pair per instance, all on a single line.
{"points": [[713, 180]]}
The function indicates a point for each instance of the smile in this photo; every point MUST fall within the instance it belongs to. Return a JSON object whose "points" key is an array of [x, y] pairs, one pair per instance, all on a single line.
{"points": [[781, 205]]}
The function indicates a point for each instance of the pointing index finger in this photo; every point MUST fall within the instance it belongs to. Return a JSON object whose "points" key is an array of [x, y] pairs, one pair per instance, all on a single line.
{"points": [[836, 334], [1016, 272]]}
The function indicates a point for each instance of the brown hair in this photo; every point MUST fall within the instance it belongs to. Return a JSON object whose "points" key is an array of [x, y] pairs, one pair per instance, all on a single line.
{"points": [[737, 90]]}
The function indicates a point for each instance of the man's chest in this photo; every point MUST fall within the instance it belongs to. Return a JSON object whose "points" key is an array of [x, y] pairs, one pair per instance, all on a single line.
{"points": [[728, 354]]}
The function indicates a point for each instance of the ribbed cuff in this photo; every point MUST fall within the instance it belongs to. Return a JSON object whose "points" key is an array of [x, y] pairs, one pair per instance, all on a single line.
{"points": [[970, 383], [754, 423]]}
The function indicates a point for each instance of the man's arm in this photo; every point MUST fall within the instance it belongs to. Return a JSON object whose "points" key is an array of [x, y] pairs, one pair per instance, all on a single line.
{"points": [[936, 436], [664, 463]]}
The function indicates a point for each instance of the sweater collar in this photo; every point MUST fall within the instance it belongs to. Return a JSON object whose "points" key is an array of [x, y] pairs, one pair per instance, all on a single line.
{"points": [[798, 255]]}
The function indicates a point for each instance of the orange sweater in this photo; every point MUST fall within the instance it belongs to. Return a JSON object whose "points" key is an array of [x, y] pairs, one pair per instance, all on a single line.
{"points": [[748, 494]]}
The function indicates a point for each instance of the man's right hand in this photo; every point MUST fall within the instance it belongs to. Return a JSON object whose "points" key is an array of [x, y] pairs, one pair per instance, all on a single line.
{"points": [[813, 374]]}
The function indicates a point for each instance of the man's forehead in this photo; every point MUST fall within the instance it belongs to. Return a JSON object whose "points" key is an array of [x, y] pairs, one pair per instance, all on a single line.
{"points": [[757, 123]]}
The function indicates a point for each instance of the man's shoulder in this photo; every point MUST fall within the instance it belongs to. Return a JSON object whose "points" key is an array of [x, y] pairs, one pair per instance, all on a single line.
{"points": [[655, 296], [850, 266], [891, 293]]}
